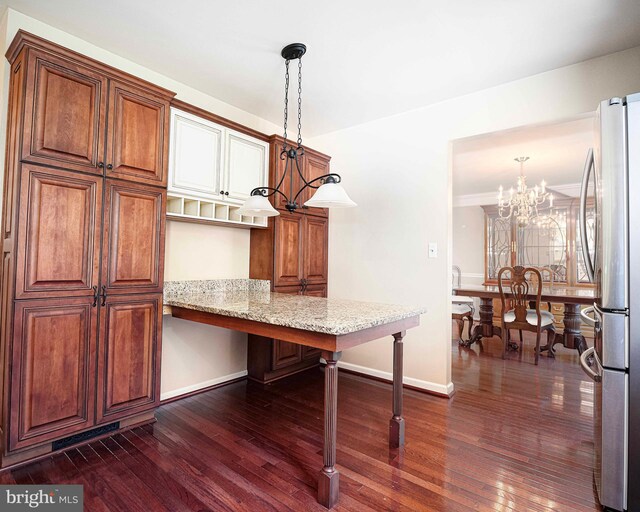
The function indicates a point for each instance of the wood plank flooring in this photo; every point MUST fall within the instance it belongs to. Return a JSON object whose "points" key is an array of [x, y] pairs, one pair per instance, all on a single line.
{"points": [[514, 437]]}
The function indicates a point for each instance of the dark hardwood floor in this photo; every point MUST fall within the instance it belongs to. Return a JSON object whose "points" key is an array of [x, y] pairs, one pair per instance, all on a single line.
{"points": [[514, 437]]}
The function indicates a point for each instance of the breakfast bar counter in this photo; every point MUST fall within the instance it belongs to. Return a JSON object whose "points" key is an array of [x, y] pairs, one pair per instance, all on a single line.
{"points": [[330, 325]]}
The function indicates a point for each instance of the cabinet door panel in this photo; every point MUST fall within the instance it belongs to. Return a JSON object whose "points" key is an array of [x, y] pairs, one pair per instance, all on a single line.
{"points": [[129, 356], [60, 225], [314, 167], [288, 249], [279, 165], [65, 109], [133, 238], [53, 368], [246, 165], [316, 290], [195, 159], [315, 249], [285, 354], [137, 140]]}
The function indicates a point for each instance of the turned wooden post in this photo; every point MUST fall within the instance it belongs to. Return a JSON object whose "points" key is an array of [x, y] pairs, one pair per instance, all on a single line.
{"points": [[329, 480], [396, 423]]}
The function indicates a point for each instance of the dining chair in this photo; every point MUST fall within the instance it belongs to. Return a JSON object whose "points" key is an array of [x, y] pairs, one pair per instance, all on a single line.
{"points": [[523, 282], [461, 307]]}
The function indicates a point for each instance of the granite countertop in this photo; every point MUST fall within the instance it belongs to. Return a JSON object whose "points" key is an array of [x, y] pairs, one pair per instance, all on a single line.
{"points": [[252, 299]]}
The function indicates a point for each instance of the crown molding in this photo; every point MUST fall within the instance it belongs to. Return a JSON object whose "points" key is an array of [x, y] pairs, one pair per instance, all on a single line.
{"points": [[487, 198]]}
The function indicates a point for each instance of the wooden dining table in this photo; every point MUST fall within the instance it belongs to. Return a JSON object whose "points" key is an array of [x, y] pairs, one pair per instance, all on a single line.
{"points": [[571, 296]]}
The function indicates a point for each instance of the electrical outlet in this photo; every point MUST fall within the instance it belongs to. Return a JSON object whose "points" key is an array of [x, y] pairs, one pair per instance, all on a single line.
{"points": [[433, 249]]}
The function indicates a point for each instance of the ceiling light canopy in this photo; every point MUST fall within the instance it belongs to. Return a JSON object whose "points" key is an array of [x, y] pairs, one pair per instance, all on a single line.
{"points": [[329, 193]]}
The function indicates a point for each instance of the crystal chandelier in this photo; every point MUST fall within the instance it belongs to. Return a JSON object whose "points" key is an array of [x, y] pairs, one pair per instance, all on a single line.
{"points": [[329, 193], [524, 203]]}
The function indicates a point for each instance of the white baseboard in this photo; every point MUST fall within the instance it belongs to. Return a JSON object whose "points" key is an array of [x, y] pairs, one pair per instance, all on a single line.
{"points": [[201, 385], [410, 381]]}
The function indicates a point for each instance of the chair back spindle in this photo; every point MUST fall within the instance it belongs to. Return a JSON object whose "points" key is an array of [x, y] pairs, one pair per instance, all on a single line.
{"points": [[520, 287]]}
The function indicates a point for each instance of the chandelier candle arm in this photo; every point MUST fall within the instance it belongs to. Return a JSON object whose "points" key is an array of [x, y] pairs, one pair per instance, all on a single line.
{"points": [[522, 205]]}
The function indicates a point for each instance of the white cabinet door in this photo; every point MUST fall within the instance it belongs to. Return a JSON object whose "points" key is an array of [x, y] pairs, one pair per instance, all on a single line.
{"points": [[196, 155], [246, 165]]}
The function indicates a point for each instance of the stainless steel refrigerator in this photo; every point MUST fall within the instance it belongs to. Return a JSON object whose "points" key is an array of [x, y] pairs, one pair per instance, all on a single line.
{"points": [[613, 264]]}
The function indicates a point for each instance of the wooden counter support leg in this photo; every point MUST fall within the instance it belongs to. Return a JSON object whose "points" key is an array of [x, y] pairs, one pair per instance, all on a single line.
{"points": [[396, 423], [329, 480]]}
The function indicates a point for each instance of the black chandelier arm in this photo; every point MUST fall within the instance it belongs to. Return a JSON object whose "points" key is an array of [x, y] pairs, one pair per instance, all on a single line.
{"points": [[310, 184], [267, 192]]}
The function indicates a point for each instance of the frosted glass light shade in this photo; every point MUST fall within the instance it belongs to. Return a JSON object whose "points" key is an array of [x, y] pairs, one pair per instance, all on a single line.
{"points": [[258, 206], [330, 195]]}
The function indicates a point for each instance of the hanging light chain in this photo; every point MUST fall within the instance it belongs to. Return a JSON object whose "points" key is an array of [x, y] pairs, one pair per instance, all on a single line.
{"points": [[286, 99], [300, 102]]}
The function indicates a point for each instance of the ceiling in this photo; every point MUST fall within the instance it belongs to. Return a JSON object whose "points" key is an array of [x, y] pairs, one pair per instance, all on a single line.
{"points": [[367, 58], [557, 154]]}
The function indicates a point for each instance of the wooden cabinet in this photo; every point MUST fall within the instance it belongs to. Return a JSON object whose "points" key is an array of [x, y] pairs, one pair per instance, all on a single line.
{"points": [[129, 356], [288, 247], [73, 123], [301, 250], [315, 290], [53, 369], [314, 167], [60, 233], [293, 254], [313, 164], [315, 249], [133, 243], [285, 354], [213, 168], [83, 252], [65, 109], [278, 167], [137, 139]]}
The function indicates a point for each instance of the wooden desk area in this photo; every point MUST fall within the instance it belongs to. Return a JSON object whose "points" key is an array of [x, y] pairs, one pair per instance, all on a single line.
{"points": [[571, 297], [330, 325]]}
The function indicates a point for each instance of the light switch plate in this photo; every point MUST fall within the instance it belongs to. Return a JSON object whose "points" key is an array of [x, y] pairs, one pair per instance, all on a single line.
{"points": [[433, 249]]}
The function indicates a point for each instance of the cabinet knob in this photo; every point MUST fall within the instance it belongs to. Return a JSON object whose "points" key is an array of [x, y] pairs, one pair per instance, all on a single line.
{"points": [[101, 165], [109, 166], [222, 192], [226, 193]]}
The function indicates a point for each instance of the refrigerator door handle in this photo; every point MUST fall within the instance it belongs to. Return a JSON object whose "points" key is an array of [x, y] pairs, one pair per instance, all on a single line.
{"points": [[586, 366], [588, 166], [584, 316]]}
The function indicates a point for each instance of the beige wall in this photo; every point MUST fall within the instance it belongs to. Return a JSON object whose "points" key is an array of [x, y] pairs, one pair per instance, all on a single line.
{"points": [[467, 236], [193, 355], [398, 171]]}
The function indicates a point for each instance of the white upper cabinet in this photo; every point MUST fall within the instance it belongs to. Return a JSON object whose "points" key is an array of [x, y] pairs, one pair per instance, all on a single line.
{"points": [[211, 161], [195, 155], [246, 165]]}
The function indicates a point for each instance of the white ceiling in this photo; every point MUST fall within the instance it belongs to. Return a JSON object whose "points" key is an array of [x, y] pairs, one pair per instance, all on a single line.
{"points": [[367, 58], [557, 154]]}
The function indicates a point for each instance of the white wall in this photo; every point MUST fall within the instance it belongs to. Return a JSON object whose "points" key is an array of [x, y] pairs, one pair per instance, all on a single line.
{"points": [[193, 355], [467, 237], [398, 171]]}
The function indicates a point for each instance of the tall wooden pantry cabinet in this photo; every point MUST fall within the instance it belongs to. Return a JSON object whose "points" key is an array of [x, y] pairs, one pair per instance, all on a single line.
{"points": [[83, 249], [293, 254]]}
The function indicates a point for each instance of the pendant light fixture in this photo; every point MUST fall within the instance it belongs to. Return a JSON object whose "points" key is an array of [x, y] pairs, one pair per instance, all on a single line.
{"points": [[329, 193]]}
